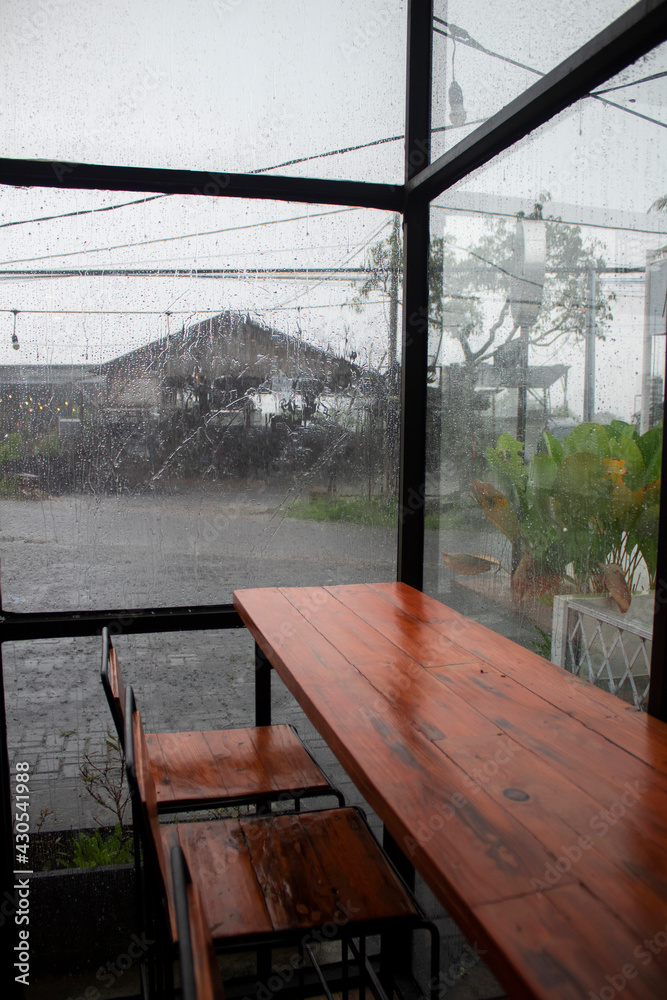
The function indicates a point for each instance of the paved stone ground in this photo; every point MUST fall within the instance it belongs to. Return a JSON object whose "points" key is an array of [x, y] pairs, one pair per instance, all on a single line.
{"points": [[193, 547]]}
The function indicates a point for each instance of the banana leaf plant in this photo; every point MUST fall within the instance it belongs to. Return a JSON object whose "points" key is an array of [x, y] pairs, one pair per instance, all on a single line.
{"points": [[582, 513]]}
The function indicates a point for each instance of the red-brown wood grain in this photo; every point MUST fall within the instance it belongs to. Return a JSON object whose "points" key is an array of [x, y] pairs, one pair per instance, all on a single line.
{"points": [[208, 765], [636, 732], [263, 874], [399, 771], [567, 943], [533, 804], [297, 861], [599, 768]]}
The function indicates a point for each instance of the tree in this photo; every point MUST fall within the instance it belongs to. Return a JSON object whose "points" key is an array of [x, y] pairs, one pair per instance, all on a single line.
{"points": [[569, 261], [460, 280]]}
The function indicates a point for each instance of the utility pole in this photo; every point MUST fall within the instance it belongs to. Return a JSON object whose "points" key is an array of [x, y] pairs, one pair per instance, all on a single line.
{"points": [[589, 356], [522, 389], [647, 353], [526, 291], [393, 291], [655, 325]]}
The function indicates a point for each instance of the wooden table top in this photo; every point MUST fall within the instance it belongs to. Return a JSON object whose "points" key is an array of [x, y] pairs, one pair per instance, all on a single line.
{"points": [[533, 804]]}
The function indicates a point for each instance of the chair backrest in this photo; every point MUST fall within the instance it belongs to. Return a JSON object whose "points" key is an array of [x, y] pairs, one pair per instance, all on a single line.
{"points": [[114, 687], [142, 788], [200, 974]]}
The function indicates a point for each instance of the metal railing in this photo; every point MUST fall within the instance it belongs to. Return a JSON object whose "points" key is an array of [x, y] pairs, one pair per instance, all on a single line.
{"points": [[593, 640]]}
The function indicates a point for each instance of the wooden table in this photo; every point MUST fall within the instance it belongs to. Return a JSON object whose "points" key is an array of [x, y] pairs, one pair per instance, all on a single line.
{"points": [[533, 804]]}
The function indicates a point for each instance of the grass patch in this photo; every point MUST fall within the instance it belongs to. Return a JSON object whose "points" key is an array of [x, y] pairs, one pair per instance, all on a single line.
{"points": [[376, 511], [380, 512]]}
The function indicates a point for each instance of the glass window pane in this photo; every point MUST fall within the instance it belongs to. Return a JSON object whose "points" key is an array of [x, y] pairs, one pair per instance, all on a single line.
{"points": [[200, 398], [548, 356], [222, 85], [485, 54]]}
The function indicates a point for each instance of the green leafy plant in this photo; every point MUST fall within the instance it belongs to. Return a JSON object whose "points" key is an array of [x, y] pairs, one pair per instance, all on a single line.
{"points": [[111, 847], [582, 513], [49, 445], [543, 644], [10, 447], [9, 487]]}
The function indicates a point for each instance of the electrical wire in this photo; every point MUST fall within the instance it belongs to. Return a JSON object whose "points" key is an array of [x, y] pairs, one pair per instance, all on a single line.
{"points": [[185, 236], [565, 222], [283, 306], [631, 83], [259, 170], [85, 211], [461, 35], [341, 264], [170, 312], [155, 262]]}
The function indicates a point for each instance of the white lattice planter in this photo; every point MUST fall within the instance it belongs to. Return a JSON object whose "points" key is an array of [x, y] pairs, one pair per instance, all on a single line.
{"points": [[592, 639]]}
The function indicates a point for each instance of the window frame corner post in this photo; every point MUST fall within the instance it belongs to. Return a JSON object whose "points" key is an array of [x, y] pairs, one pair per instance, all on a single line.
{"points": [[416, 242], [657, 695]]}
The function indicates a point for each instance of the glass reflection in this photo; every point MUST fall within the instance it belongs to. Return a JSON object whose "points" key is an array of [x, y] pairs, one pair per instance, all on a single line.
{"points": [[549, 276]]}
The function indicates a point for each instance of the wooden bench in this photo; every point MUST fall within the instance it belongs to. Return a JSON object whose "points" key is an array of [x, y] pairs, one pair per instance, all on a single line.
{"points": [[533, 804], [268, 880]]}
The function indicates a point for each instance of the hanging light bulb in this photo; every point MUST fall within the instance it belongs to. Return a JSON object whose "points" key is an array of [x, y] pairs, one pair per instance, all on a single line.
{"points": [[15, 339], [457, 113]]}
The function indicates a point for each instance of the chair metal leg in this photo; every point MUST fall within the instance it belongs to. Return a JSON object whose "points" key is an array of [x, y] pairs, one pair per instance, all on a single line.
{"points": [[264, 963], [362, 968], [318, 972], [345, 967]]}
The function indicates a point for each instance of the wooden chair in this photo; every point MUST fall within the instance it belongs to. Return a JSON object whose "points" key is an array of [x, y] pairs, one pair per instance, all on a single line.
{"points": [[269, 881], [210, 769]]}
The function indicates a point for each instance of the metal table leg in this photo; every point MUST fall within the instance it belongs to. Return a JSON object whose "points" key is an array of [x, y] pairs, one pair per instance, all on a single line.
{"points": [[262, 689]]}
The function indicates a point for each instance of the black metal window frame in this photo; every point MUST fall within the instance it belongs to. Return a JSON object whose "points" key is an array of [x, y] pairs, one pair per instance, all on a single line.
{"points": [[628, 38]]}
